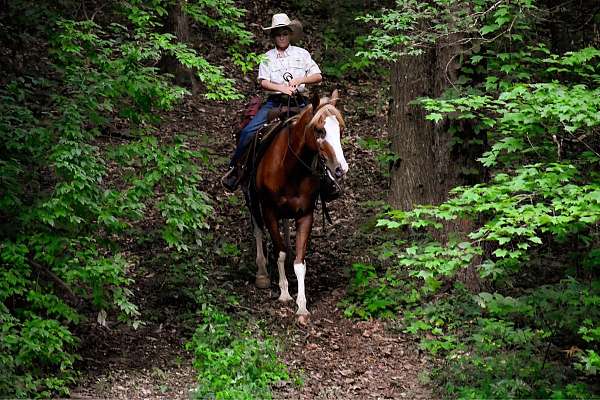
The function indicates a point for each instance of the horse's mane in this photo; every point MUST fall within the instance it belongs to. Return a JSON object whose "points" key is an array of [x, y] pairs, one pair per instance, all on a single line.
{"points": [[324, 111]]}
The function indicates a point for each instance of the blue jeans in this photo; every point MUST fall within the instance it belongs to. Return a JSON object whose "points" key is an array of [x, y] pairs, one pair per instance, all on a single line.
{"points": [[257, 122]]}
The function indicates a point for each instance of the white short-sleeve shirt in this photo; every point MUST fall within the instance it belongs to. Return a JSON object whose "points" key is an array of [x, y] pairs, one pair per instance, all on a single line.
{"points": [[294, 60]]}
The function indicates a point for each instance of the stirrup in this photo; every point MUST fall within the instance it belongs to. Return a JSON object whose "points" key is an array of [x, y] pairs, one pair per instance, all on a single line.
{"points": [[231, 179]]}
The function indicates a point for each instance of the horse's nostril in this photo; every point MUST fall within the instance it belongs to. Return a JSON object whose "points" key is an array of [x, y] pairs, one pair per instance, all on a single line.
{"points": [[339, 172]]}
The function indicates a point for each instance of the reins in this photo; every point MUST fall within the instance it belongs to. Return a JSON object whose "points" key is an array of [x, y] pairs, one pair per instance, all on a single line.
{"points": [[287, 77], [308, 167]]}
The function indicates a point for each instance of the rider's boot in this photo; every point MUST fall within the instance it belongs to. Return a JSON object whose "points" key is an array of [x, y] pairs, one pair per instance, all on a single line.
{"points": [[231, 179]]}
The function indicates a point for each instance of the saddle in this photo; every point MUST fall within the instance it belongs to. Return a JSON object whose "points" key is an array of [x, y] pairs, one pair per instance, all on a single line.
{"points": [[253, 154], [249, 112], [282, 113]]}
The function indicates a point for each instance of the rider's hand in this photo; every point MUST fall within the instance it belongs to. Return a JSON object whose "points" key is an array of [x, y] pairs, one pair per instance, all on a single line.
{"points": [[289, 90], [296, 82]]}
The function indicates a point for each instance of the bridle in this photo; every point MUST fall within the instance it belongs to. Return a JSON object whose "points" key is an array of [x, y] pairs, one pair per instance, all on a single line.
{"points": [[318, 167], [319, 164]]}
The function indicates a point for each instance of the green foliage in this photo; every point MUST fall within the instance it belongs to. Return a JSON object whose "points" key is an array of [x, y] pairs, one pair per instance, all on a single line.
{"points": [[38, 342], [371, 294], [184, 208], [224, 17], [220, 16], [340, 59], [230, 365], [533, 234], [70, 198], [499, 346], [413, 26], [518, 209], [339, 37], [385, 157]]}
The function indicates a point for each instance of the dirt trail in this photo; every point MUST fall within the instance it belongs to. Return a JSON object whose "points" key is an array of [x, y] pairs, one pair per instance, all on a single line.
{"points": [[335, 357]]}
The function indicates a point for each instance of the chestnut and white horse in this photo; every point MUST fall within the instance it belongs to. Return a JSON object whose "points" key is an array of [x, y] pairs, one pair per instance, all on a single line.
{"points": [[287, 184]]}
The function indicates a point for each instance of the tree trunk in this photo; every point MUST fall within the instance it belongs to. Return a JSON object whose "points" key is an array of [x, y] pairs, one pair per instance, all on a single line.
{"points": [[429, 164], [180, 26], [413, 178]]}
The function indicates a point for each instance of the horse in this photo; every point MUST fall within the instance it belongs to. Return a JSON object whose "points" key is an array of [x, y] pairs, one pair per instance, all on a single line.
{"points": [[286, 186]]}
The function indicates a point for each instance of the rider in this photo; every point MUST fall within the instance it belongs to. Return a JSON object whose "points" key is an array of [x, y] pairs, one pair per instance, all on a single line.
{"points": [[281, 61]]}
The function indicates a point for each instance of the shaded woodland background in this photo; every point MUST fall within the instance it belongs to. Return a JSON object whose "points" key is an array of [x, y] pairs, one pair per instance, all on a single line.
{"points": [[473, 210]]}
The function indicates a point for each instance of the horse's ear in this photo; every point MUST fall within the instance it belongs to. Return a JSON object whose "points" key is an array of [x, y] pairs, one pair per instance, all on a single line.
{"points": [[335, 96], [315, 100]]}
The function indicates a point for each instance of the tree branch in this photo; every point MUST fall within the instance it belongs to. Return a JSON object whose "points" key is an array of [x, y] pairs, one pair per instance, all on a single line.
{"points": [[56, 279]]}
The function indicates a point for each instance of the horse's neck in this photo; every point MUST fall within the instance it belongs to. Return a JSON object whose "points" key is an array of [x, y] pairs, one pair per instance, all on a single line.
{"points": [[301, 140], [299, 150]]}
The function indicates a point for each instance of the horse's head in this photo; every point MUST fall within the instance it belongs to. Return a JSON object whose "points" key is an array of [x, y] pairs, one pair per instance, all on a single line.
{"points": [[327, 126]]}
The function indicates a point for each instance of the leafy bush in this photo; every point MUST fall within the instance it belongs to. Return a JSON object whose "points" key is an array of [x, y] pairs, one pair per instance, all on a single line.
{"points": [[535, 239], [69, 198], [500, 346], [230, 365]]}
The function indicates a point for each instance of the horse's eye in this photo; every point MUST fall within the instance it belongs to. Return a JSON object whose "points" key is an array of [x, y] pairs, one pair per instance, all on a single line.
{"points": [[320, 132]]}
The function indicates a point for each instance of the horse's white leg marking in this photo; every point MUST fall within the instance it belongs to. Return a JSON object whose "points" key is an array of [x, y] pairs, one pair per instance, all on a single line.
{"points": [[262, 277], [300, 270], [332, 136], [283, 283]]}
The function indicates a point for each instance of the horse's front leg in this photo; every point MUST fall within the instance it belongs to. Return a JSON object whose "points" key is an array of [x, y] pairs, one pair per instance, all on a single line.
{"points": [[303, 228], [273, 226]]}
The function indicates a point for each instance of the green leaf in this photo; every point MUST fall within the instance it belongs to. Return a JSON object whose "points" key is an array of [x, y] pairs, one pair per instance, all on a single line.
{"points": [[388, 224], [500, 253], [488, 29], [436, 117]]}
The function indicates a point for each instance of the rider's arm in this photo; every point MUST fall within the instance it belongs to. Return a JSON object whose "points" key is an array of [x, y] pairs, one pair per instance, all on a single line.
{"points": [[313, 78], [293, 85], [275, 87], [307, 80]]}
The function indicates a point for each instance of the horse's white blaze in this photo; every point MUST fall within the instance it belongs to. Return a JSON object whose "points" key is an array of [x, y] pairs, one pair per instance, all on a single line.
{"points": [[332, 136], [300, 270], [283, 283], [261, 260]]}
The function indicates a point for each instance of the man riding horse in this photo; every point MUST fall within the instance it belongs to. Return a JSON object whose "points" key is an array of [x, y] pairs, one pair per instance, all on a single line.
{"points": [[284, 73], [300, 163]]}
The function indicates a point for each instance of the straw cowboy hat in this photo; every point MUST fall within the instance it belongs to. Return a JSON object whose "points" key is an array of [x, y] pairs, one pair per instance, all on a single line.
{"points": [[283, 21]]}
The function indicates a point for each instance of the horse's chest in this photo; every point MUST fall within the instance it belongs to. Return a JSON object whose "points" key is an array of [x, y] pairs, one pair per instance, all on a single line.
{"points": [[293, 198], [295, 205]]}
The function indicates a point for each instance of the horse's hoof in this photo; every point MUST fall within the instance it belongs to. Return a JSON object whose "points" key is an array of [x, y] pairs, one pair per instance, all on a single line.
{"points": [[303, 319], [262, 282], [285, 298]]}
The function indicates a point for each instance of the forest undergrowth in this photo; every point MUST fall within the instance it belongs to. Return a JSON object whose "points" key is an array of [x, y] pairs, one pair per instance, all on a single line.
{"points": [[524, 322], [112, 258], [126, 270]]}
